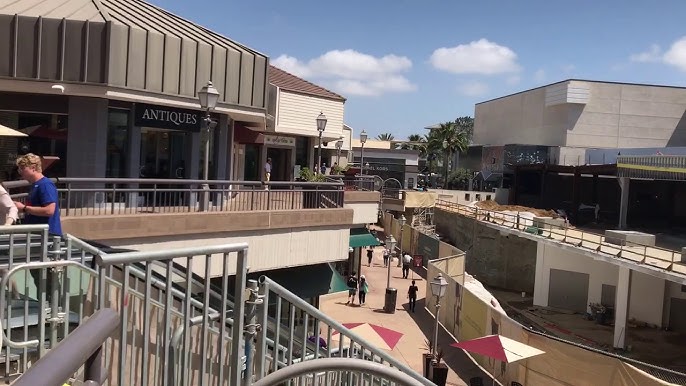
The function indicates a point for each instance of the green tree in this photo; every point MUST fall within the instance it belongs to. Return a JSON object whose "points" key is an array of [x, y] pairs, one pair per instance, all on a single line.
{"points": [[459, 179], [385, 137], [447, 140], [416, 142], [465, 125]]}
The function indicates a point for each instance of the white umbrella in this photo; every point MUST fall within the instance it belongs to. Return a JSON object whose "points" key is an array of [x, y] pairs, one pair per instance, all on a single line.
{"points": [[7, 132]]}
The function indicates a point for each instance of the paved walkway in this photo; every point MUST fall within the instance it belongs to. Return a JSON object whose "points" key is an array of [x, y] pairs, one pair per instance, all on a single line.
{"points": [[417, 327]]}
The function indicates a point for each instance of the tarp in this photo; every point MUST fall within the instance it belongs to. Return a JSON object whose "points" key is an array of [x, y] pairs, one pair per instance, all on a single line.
{"points": [[360, 237], [420, 199]]}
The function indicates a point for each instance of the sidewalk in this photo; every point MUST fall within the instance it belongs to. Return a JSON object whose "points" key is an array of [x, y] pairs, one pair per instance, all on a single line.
{"points": [[416, 327]]}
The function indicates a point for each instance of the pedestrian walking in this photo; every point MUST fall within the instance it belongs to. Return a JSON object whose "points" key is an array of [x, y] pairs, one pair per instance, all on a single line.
{"points": [[370, 255], [364, 289], [385, 257], [352, 288], [412, 295], [407, 260]]}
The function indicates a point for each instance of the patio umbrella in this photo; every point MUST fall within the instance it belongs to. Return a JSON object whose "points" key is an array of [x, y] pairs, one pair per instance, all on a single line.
{"points": [[45, 131], [379, 336], [499, 348], [7, 132]]}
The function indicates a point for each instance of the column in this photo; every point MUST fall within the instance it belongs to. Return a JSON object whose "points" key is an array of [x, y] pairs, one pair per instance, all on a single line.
{"points": [[624, 201], [230, 150], [87, 137], [622, 306], [134, 144], [221, 149], [192, 157]]}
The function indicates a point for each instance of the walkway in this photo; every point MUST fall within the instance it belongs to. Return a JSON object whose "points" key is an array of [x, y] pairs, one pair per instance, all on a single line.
{"points": [[417, 327]]}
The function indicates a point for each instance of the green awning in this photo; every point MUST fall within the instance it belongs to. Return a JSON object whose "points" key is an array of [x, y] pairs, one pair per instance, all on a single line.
{"points": [[360, 237]]}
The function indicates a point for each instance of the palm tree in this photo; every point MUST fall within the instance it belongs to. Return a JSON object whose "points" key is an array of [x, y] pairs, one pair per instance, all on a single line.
{"points": [[385, 137], [448, 139], [416, 142]]}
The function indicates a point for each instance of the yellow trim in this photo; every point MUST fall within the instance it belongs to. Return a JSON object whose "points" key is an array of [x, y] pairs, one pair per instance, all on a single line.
{"points": [[652, 168]]}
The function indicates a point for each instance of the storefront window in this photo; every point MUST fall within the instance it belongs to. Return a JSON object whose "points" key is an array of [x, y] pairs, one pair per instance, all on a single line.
{"points": [[47, 136], [301, 151], [117, 143]]}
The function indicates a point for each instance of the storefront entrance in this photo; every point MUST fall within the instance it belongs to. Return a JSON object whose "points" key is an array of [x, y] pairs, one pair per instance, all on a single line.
{"points": [[163, 153], [281, 163]]}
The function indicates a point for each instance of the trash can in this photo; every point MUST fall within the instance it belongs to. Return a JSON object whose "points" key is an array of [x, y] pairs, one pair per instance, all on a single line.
{"points": [[391, 299]]}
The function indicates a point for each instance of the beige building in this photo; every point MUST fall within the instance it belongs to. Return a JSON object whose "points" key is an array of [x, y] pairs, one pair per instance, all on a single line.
{"points": [[577, 114]]}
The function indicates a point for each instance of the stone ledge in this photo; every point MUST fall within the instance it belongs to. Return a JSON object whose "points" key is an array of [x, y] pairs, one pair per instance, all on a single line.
{"points": [[619, 237]]}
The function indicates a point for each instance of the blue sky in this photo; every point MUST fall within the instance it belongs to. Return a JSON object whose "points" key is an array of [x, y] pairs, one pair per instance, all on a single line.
{"points": [[406, 64]]}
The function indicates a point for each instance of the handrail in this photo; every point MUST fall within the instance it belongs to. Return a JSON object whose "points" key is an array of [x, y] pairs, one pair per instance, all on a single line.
{"points": [[82, 346], [171, 181], [575, 237], [341, 364], [317, 314], [139, 257]]}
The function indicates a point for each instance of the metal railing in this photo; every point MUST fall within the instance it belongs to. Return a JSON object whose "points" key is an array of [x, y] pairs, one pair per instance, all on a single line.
{"points": [[320, 337], [359, 182], [110, 196], [83, 347], [661, 258]]}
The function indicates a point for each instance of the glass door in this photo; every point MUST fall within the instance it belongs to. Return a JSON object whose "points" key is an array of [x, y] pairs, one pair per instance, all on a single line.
{"points": [[162, 153]]}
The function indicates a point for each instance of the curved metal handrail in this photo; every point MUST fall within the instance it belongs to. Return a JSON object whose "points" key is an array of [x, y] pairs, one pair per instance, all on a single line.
{"points": [[340, 364]]}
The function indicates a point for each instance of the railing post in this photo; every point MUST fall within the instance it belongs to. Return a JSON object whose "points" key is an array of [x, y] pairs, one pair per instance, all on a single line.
{"points": [[250, 332], [93, 367], [68, 203], [261, 349], [154, 197], [54, 288], [238, 322], [114, 195], [269, 201]]}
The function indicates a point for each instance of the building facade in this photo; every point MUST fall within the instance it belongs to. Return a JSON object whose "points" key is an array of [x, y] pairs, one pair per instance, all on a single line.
{"points": [[110, 87]]}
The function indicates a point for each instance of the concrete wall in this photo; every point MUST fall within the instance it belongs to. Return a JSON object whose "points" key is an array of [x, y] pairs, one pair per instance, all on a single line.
{"points": [[647, 292], [463, 197], [607, 115], [521, 118], [268, 249], [495, 259]]}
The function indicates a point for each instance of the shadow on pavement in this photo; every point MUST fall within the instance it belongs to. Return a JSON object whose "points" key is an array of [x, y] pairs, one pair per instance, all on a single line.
{"points": [[456, 359]]}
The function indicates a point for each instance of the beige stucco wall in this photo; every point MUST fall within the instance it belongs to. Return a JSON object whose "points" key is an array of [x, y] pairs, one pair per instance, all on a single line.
{"points": [[610, 116]]}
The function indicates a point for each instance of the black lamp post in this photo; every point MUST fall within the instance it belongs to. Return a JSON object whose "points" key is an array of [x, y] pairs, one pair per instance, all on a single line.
{"points": [[321, 125], [208, 96], [363, 139]]}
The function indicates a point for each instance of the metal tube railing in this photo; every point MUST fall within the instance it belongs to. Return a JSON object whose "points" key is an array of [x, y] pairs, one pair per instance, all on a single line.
{"points": [[649, 255], [82, 346], [341, 366]]}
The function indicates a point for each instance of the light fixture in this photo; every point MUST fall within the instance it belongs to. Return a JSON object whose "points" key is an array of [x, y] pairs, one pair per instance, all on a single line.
{"points": [[439, 286], [208, 96], [321, 122], [339, 144], [363, 137]]}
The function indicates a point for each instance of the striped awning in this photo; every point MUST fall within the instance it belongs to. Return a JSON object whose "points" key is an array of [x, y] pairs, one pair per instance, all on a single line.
{"points": [[657, 167]]}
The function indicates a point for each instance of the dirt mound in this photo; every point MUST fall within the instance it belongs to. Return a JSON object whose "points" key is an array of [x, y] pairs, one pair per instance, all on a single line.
{"points": [[494, 206]]}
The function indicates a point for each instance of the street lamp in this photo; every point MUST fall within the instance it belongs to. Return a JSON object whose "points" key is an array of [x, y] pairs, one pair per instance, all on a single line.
{"points": [[339, 145], [402, 221], [438, 287], [321, 125], [208, 96], [363, 139], [446, 156], [391, 293]]}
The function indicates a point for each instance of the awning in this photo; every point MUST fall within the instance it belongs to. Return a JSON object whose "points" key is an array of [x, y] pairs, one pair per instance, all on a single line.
{"points": [[360, 237], [306, 281]]}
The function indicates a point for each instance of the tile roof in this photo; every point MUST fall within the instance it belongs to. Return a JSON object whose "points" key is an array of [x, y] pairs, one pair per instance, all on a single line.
{"points": [[290, 82]]}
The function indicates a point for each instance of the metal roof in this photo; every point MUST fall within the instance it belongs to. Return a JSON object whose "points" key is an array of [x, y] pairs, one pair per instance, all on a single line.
{"points": [[289, 82]]}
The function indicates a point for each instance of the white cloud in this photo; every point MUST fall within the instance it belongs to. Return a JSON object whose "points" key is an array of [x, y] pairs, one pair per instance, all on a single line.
{"points": [[513, 80], [539, 76], [478, 57], [676, 56], [474, 89], [351, 72], [652, 55]]}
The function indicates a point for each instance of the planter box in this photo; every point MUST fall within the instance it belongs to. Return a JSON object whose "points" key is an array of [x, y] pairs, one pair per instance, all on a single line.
{"points": [[629, 237]]}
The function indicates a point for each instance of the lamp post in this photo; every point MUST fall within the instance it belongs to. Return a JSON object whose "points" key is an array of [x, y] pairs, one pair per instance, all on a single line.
{"points": [[208, 96], [438, 288], [339, 146], [363, 139], [391, 293], [445, 157], [321, 125], [402, 221]]}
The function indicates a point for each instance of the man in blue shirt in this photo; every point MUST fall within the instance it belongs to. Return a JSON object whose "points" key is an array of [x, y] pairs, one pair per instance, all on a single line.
{"points": [[41, 207], [42, 204]]}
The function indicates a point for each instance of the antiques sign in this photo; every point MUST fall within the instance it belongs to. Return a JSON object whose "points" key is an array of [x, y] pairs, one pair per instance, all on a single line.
{"points": [[167, 118]]}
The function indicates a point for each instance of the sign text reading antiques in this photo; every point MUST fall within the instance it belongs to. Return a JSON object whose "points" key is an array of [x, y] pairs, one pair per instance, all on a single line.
{"points": [[167, 118]]}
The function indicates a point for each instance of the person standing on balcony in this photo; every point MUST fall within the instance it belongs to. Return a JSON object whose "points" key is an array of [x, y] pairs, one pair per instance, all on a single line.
{"points": [[41, 207], [268, 170], [9, 214]]}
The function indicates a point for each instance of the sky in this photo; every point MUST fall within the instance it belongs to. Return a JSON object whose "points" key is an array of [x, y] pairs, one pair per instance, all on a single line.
{"points": [[403, 65]]}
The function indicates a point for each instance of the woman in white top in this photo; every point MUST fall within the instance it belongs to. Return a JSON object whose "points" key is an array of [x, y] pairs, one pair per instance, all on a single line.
{"points": [[8, 211]]}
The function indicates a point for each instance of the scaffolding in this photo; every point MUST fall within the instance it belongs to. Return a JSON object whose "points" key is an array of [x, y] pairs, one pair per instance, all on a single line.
{"points": [[423, 220]]}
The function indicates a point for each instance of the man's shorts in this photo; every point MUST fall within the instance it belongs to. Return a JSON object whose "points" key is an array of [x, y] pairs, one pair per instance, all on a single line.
{"points": [[352, 291]]}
